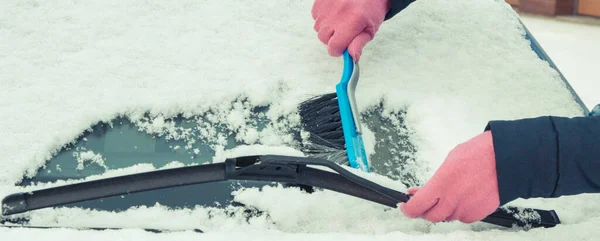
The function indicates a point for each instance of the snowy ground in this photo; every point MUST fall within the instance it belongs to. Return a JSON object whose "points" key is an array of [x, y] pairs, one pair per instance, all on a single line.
{"points": [[66, 65]]}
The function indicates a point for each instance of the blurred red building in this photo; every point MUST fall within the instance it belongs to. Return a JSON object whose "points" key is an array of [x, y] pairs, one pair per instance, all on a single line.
{"points": [[558, 7]]}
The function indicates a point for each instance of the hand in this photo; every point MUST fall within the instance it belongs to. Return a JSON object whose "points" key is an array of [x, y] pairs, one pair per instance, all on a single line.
{"points": [[348, 24], [464, 188]]}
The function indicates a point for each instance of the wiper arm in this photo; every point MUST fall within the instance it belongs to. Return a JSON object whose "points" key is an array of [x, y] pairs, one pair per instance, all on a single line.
{"points": [[270, 168]]}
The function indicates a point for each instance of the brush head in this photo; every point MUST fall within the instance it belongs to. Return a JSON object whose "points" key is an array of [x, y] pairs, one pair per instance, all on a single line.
{"points": [[320, 118]]}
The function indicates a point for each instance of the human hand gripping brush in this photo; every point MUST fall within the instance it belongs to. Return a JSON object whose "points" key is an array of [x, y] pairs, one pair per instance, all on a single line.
{"points": [[470, 196], [348, 25], [333, 125], [465, 188]]}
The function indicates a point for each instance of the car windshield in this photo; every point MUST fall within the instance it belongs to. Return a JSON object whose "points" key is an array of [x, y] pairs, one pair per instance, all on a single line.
{"points": [[168, 142]]}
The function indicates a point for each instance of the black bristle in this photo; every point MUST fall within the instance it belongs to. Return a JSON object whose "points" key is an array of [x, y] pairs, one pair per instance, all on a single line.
{"points": [[320, 117]]}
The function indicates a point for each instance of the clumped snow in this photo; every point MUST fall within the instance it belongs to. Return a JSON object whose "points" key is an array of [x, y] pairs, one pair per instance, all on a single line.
{"points": [[88, 157], [449, 68]]}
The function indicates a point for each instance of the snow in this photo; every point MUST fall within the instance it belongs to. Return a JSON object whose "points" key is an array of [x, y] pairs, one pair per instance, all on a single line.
{"points": [[573, 48], [88, 156], [66, 65]]}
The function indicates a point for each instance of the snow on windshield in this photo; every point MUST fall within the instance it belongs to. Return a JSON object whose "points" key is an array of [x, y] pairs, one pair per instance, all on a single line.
{"points": [[450, 67]]}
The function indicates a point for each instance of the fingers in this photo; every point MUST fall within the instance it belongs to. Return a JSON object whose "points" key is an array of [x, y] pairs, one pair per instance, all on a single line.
{"points": [[427, 208], [320, 14], [473, 210], [318, 24], [438, 213], [470, 219], [342, 37], [314, 12], [319, 6], [418, 205], [325, 34], [413, 190], [464, 218], [358, 44], [351, 34], [347, 25]]}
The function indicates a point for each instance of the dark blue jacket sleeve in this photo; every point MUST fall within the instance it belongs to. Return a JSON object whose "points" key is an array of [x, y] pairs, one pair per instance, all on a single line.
{"points": [[397, 6], [546, 156]]}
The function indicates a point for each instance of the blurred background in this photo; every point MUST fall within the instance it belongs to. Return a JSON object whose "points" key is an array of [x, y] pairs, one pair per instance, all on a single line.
{"points": [[569, 31], [558, 7]]}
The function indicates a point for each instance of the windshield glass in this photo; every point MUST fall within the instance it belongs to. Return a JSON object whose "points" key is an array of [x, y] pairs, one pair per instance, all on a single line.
{"points": [[172, 142]]}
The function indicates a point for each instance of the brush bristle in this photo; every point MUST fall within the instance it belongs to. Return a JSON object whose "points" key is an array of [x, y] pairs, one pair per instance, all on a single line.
{"points": [[320, 117]]}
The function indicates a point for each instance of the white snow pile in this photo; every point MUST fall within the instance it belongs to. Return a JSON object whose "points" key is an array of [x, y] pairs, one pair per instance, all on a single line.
{"points": [[451, 66]]}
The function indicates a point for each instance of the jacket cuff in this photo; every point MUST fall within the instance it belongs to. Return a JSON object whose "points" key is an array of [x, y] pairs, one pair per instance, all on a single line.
{"points": [[526, 152], [396, 7]]}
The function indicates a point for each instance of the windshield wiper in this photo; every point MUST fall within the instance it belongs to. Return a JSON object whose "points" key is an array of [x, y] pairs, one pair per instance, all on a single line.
{"points": [[269, 168]]}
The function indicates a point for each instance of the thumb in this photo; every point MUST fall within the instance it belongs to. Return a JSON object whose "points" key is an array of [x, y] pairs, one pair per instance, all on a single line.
{"points": [[413, 190], [419, 204], [358, 43]]}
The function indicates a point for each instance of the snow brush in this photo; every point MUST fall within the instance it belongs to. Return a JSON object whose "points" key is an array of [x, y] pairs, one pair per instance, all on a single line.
{"points": [[333, 121]]}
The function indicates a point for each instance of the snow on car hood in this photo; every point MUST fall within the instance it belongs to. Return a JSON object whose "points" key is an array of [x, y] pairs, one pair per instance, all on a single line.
{"points": [[452, 67]]}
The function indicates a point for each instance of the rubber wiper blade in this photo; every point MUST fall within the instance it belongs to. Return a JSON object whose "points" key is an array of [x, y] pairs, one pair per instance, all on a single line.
{"points": [[269, 168], [151, 230]]}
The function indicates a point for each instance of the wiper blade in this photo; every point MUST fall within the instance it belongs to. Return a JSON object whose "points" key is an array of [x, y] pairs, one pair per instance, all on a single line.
{"points": [[270, 168], [151, 230]]}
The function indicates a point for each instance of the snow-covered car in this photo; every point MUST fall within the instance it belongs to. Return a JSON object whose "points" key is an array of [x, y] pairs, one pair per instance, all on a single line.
{"points": [[168, 86]]}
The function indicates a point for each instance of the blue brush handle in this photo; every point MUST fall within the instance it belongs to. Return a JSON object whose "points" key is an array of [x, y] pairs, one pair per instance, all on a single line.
{"points": [[355, 148]]}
